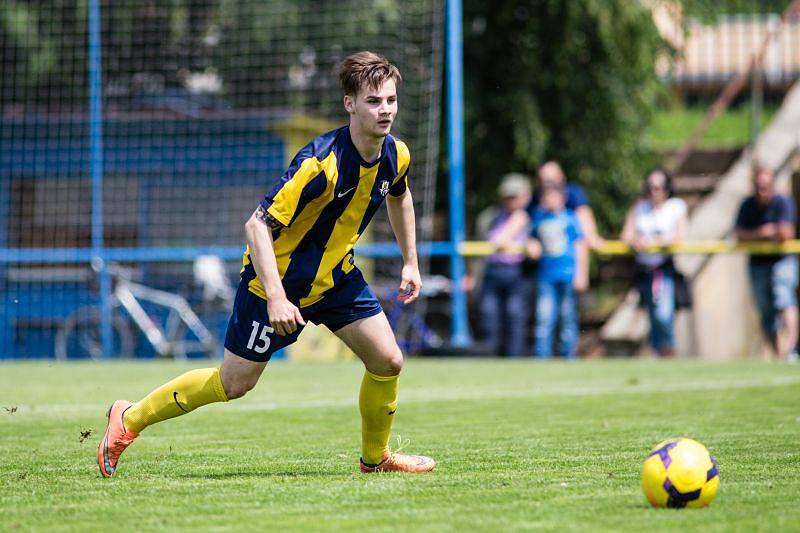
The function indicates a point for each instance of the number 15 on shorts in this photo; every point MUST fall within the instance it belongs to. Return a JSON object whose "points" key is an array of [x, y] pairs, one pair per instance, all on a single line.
{"points": [[263, 337]]}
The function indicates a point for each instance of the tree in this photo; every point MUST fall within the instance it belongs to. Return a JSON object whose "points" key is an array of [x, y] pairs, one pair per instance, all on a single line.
{"points": [[571, 80], [709, 10], [266, 53]]}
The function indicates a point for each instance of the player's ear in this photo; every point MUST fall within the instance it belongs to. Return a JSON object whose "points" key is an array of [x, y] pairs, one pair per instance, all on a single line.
{"points": [[349, 103]]}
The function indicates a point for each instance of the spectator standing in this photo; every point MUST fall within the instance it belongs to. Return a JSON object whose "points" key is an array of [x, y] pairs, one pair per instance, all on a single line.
{"points": [[551, 174], [657, 219], [505, 290], [769, 216], [557, 242]]}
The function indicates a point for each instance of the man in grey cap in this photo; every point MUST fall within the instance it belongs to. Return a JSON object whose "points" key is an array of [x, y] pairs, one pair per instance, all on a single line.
{"points": [[504, 298]]}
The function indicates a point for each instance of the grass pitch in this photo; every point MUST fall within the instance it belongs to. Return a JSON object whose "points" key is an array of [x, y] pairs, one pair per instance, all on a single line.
{"points": [[520, 445]]}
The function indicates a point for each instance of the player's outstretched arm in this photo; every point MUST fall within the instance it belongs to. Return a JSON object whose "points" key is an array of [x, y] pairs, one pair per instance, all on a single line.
{"points": [[401, 217], [283, 314]]}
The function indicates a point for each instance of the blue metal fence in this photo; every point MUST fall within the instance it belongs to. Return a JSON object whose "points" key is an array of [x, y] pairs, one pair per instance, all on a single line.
{"points": [[114, 163]]}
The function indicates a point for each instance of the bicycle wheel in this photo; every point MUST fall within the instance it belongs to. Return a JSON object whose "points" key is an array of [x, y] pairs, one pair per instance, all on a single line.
{"points": [[78, 337]]}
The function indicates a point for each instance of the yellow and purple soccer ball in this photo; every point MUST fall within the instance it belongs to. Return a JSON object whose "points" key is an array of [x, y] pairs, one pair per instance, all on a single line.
{"points": [[680, 473]]}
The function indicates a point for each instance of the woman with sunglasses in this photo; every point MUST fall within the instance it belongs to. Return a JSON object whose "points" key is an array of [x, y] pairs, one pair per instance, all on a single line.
{"points": [[657, 219]]}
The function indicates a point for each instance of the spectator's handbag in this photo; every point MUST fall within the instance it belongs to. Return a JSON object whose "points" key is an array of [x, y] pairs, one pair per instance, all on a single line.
{"points": [[683, 291], [683, 287]]}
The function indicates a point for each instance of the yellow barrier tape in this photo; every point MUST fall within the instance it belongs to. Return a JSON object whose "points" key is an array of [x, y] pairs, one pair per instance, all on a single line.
{"points": [[484, 248]]}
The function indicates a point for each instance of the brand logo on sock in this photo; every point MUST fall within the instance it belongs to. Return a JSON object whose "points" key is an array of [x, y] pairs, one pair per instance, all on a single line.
{"points": [[175, 395], [392, 411]]}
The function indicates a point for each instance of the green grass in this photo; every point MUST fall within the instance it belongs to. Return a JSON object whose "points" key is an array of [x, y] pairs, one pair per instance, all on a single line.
{"points": [[520, 445], [671, 128]]}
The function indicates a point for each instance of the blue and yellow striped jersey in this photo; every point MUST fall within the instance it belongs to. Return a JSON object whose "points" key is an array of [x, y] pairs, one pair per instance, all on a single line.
{"points": [[325, 200]]}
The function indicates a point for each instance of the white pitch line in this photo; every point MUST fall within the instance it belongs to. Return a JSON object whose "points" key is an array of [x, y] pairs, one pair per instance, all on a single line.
{"points": [[583, 391], [414, 397]]}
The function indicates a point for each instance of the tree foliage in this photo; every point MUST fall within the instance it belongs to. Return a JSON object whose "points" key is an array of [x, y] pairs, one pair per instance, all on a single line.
{"points": [[571, 80], [709, 10], [268, 53]]}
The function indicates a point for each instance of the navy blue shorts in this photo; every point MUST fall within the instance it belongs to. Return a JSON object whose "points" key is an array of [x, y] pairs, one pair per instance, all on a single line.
{"points": [[250, 334]]}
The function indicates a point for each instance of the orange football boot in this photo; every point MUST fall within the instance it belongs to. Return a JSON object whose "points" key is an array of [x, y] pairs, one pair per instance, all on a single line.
{"points": [[400, 462], [116, 439]]}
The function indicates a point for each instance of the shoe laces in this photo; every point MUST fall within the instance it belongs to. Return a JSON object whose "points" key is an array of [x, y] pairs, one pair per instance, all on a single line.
{"points": [[402, 444]]}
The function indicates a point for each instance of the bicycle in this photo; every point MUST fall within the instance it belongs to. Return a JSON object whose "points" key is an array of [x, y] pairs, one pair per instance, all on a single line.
{"points": [[79, 334], [413, 330]]}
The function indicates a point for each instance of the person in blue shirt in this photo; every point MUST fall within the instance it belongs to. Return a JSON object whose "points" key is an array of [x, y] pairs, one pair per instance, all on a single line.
{"points": [[550, 174], [769, 216], [558, 243]]}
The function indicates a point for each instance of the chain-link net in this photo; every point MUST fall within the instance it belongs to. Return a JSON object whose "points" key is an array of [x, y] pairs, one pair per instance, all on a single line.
{"points": [[203, 104]]}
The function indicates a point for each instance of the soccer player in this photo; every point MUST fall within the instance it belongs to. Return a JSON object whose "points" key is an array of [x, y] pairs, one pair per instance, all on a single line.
{"points": [[298, 267]]}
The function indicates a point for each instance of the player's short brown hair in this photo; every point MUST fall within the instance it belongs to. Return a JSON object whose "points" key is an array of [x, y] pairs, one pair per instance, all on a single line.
{"points": [[366, 69]]}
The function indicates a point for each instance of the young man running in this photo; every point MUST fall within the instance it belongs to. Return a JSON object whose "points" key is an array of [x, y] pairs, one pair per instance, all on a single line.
{"points": [[298, 266]]}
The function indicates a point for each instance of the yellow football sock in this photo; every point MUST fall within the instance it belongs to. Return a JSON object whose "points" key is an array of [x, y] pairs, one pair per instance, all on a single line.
{"points": [[175, 398], [377, 402]]}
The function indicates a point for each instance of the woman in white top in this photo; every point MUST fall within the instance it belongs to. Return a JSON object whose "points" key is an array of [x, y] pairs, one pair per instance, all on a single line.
{"points": [[657, 219]]}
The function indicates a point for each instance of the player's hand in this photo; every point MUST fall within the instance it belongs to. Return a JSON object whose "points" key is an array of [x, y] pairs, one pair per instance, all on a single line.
{"points": [[284, 316], [410, 284]]}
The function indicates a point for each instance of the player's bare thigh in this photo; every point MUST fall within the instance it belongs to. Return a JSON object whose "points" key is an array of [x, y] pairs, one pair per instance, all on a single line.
{"points": [[372, 340], [239, 375]]}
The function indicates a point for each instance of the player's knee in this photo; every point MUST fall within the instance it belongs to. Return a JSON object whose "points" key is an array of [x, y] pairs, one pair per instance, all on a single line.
{"points": [[237, 389], [394, 364]]}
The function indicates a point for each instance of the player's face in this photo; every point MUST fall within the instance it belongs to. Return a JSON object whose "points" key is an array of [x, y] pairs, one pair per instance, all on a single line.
{"points": [[373, 110]]}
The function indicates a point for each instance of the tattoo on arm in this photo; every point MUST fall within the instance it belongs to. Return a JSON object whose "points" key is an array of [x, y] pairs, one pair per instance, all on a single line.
{"points": [[266, 218]]}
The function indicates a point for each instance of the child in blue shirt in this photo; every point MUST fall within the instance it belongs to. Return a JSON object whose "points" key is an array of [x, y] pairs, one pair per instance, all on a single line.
{"points": [[557, 243]]}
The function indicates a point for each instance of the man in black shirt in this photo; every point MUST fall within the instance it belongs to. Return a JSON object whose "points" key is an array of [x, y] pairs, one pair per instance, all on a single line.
{"points": [[769, 216]]}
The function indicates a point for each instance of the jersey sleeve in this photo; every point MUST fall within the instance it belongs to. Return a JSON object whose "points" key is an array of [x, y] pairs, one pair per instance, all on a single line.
{"points": [[743, 218], [302, 182], [575, 227], [400, 184], [681, 209], [576, 196], [740, 216], [787, 211]]}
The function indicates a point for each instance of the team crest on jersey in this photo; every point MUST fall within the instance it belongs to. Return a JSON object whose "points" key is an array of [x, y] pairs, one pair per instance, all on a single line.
{"points": [[384, 190]]}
